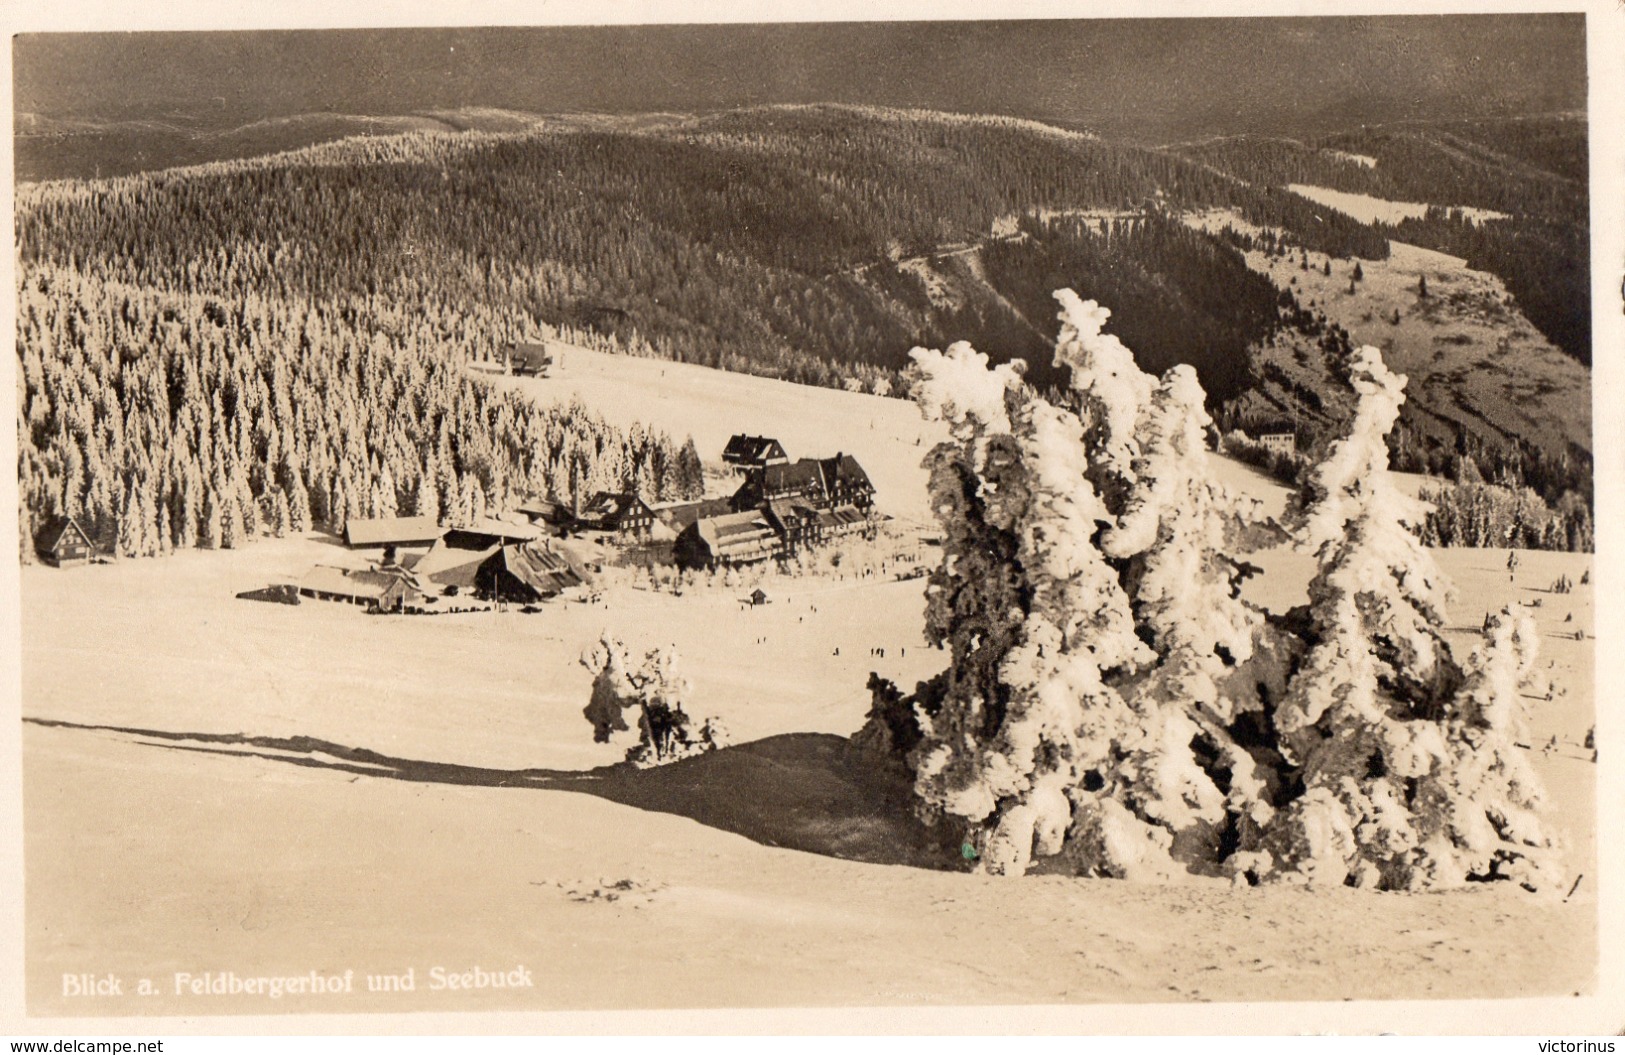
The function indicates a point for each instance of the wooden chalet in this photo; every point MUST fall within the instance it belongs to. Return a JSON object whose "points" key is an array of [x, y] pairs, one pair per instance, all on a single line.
{"points": [[620, 512], [525, 574], [392, 589], [64, 542], [530, 359], [753, 452], [378, 532], [734, 538]]}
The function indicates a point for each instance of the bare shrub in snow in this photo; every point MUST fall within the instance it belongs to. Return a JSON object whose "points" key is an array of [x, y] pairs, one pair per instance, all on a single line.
{"points": [[659, 691]]}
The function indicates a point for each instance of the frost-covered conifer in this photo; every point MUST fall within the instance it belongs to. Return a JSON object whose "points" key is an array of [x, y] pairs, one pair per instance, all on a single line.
{"points": [[1114, 390], [1482, 818], [1034, 617], [1176, 536], [1361, 718]]}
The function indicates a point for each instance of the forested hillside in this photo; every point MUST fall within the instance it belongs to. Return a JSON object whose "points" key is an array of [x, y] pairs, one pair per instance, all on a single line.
{"points": [[816, 244], [727, 240], [1180, 295], [178, 420], [1534, 170]]}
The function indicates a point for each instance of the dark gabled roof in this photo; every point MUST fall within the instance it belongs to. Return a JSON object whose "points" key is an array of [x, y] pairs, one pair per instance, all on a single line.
{"points": [[546, 509], [844, 468], [801, 475], [743, 449], [50, 536], [784, 512], [540, 569], [680, 515], [446, 565]]}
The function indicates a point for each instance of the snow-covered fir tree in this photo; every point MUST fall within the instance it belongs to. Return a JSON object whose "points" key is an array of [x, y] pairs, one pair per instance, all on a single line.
{"points": [[1409, 778], [1483, 820], [1183, 768], [1113, 705], [1029, 610]]}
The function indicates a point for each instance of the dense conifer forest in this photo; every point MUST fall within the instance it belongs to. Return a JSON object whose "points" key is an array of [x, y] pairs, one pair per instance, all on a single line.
{"points": [[167, 421], [1182, 295], [210, 344], [731, 241]]}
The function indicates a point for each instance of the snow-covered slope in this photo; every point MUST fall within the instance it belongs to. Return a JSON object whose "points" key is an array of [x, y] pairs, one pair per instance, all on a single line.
{"points": [[287, 789]]}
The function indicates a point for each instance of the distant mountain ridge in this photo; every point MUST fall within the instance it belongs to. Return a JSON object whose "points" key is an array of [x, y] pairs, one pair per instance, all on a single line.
{"points": [[1145, 80]]}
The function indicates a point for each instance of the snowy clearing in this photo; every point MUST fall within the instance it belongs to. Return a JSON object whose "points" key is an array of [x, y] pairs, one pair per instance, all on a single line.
{"points": [[1363, 160], [1366, 209]]}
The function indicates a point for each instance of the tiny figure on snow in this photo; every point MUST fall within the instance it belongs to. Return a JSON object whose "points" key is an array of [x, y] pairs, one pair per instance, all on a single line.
{"points": [[1512, 565]]}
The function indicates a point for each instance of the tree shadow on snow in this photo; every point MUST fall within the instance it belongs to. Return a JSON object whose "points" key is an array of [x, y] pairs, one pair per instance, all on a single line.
{"points": [[814, 792]]}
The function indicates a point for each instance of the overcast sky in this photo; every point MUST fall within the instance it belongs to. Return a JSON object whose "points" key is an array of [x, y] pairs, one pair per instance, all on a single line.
{"points": [[1164, 78]]}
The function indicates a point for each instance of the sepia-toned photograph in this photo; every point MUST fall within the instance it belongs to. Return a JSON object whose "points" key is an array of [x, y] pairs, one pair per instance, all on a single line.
{"points": [[807, 514]]}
